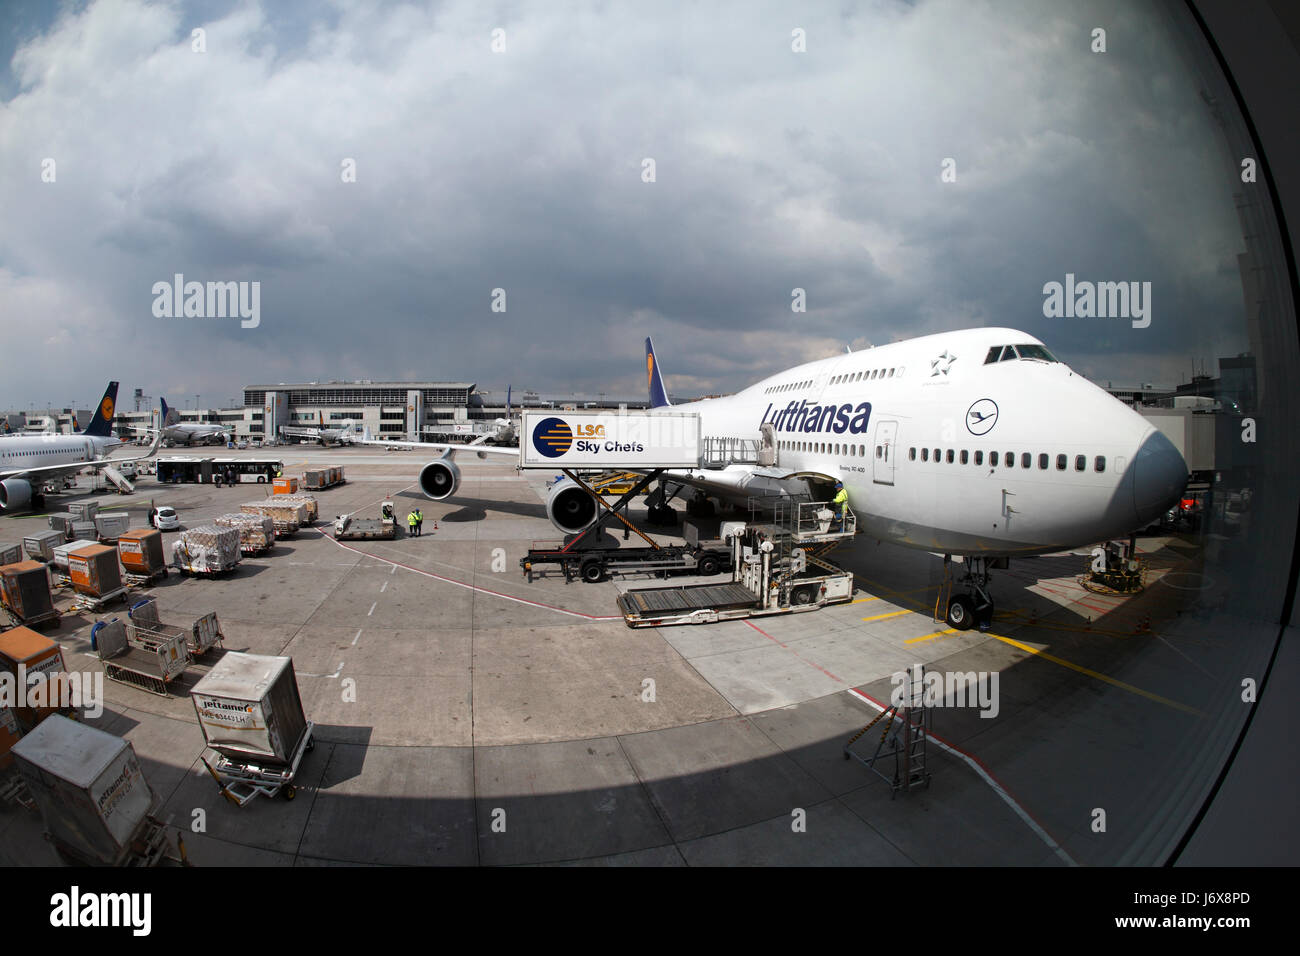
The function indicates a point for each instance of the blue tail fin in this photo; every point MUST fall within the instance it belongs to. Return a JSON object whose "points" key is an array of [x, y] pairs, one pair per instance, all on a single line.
{"points": [[101, 425], [168, 416], [655, 381]]}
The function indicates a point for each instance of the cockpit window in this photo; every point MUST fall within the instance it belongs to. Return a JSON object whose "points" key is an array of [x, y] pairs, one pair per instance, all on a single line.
{"points": [[1009, 353]]}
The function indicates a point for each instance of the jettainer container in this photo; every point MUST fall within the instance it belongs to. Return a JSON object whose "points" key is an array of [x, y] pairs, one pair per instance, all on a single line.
{"points": [[59, 556], [95, 570], [10, 554], [111, 525], [89, 787], [23, 654], [141, 551], [25, 591], [40, 546], [250, 710]]}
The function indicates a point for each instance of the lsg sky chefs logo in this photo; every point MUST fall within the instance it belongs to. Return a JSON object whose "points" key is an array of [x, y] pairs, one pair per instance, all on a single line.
{"points": [[1098, 300], [76, 909], [210, 300]]}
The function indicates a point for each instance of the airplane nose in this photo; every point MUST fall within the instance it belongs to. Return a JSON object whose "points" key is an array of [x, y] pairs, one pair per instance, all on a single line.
{"points": [[1159, 477]]}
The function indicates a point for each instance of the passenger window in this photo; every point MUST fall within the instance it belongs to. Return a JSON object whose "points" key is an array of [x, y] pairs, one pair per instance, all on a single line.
{"points": [[1060, 463], [965, 456], [891, 373], [950, 456], [1010, 459], [979, 458], [1080, 462], [1042, 462], [911, 454], [1099, 463], [1026, 460], [925, 454]]}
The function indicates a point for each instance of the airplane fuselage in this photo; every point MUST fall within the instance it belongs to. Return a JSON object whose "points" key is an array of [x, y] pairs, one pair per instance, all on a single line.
{"points": [[941, 449]]}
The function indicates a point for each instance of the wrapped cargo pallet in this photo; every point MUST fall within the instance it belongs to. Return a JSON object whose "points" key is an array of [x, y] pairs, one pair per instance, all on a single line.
{"points": [[250, 710], [95, 571], [141, 551], [207, 550], [25, 591], [256, 532], [287, 517], [307, 501], [40, 546], [89, 787], [111, 525], [84, 510], [315, 480], [34, 660], [59, 559]]}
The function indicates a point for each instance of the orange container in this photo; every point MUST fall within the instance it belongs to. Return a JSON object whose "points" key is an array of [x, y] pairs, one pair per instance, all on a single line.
{"points": [[286, 486], [141, 550], [23, 653], [94, 570]]}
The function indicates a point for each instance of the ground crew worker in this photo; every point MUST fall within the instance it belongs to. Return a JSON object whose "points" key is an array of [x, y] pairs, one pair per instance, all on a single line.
{"points": [[419, 522], [410, 520], [841, 500], [388, 512]]}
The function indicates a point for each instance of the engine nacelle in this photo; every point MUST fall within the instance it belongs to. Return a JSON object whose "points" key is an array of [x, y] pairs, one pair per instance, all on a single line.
{"points": [[440, 479], [14, 494], [569, 507]]}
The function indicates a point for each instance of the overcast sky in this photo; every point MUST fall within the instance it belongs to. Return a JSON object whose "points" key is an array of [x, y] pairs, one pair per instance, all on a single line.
{"points": [[523, 170]]}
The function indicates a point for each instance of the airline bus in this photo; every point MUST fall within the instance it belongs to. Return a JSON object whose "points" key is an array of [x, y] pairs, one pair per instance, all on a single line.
{"points": [[185, 469]]}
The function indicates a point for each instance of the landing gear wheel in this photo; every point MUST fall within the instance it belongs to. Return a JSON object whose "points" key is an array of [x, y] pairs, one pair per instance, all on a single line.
{"points": [[961, 612], [593, 572]]}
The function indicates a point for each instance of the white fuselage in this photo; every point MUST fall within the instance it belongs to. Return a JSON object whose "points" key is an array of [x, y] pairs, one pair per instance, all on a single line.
{"points": [[941, 451], [192, 433], [20, 454]]}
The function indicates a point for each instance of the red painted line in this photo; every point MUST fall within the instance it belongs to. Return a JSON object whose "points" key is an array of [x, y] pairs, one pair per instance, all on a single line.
{"points": [[983, 767], [794, 652], [475, 587]]}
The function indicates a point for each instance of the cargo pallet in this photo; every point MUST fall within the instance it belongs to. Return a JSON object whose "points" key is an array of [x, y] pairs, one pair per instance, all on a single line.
{"points": [[347, 528], [240, 781]]}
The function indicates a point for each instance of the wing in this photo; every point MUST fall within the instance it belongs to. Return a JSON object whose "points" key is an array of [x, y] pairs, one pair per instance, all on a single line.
{"points": [[480, 450]]}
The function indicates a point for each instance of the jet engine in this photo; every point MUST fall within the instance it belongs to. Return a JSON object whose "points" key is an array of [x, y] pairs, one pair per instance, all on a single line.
{"points": [[569, 507], [14, 494], [439, 479]]}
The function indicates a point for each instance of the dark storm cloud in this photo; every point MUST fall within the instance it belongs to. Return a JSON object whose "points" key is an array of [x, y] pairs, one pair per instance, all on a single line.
{"points": [[522, 170]]}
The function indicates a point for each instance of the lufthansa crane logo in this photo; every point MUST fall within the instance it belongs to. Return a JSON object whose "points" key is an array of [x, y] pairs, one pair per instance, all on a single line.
{"points": [[106, 408], [552, 437], [982, 416]]}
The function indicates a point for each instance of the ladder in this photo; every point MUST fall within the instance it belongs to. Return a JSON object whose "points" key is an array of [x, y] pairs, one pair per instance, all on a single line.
{"points": [[118, 480], [905, 738]]}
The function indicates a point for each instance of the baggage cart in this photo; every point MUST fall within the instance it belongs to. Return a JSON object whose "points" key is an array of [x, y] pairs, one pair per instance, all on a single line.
{"points": [[253, 723], [145, 627], [150, 665]]}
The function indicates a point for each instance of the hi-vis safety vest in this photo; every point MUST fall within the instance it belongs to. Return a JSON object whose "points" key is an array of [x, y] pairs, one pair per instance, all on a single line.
{"points": [[842, 499], [410, 519]]}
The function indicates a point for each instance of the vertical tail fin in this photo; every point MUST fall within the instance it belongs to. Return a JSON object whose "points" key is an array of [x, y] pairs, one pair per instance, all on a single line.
{"points": [[170, 416], [101, 425], [508, 387], [654, 381]]}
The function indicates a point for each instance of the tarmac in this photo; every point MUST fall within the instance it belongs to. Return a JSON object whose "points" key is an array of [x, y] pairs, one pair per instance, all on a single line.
{"points": [[465, 716]]}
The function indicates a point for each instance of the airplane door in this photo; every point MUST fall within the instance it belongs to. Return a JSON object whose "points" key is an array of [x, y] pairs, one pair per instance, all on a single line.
{"points": [[884, 452]]}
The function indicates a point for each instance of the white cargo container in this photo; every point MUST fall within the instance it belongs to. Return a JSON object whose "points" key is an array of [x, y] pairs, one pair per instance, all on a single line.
{"points": [[84, 510], [40, 546], [89, 787], [82, 530], [250, 710], [111, 525], [59, 557]]}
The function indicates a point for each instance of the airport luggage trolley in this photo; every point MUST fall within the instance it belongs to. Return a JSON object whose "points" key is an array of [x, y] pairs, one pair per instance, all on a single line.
{"points": [[240, 781], [146, 629], [148, 664]]}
